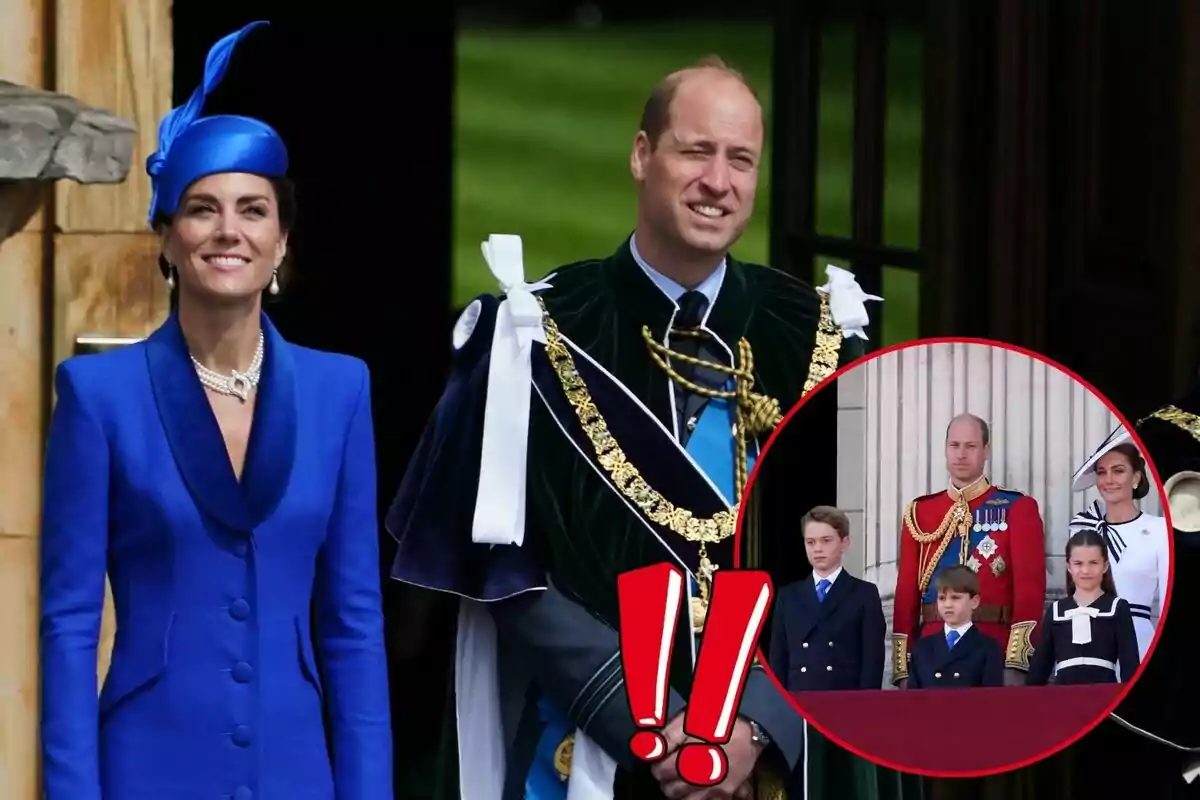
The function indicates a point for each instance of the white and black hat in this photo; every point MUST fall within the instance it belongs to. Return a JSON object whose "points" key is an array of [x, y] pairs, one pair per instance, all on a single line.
{"points": [[1085, 476]]}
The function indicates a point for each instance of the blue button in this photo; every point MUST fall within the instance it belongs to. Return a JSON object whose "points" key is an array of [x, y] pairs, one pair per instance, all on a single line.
{"points": [[241, 735], [239, 609], [242, 672], [243, 793], [240, 549]]}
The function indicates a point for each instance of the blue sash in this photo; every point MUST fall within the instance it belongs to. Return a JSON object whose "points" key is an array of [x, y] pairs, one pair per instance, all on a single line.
{"points": [[714, 450], [545, 781], [712, 447]]}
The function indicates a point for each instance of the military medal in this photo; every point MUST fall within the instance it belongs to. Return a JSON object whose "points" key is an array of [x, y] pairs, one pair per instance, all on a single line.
{"points": [[959, 522], [1003, 520], [704, 576]]}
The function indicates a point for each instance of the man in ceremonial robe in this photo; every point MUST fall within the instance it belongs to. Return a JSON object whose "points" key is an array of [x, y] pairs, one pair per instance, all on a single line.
{"points": [[996, 532], [602, 420]]}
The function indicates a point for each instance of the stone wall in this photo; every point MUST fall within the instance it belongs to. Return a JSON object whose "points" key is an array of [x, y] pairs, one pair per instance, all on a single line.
{"points": [[76, 114]]}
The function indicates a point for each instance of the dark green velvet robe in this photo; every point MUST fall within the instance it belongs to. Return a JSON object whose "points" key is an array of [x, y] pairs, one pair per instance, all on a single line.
{"points": [[588, 535], [579, 529]]}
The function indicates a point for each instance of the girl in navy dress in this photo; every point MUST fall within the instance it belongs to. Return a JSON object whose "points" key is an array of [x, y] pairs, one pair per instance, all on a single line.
{"points": [[1088, 636], [224, 480]]}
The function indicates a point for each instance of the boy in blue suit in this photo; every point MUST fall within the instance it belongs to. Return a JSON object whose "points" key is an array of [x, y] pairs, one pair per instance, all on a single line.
{"points": [[828, 631], [961, 657]]}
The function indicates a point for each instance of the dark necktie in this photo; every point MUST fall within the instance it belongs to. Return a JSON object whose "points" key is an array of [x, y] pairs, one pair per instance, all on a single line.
{"points": [[688, 404]]}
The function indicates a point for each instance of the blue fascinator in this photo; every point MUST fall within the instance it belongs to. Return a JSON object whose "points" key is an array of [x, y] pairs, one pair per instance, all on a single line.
{"points": [[191, 148]]}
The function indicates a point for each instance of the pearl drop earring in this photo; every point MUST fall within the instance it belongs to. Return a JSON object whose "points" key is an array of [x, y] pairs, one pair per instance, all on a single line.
{"points": [[171, 277], [274, 287]]}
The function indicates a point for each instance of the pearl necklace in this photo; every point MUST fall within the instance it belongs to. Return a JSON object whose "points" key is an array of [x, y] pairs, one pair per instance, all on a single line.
{"points": [[236, 384]]}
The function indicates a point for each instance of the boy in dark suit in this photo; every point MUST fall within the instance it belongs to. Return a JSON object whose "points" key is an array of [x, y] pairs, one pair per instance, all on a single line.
{"points": [[961, 656], [828, 630]]}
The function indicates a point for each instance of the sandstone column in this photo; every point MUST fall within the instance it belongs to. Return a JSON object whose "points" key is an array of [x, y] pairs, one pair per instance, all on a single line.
{"points": [[75, 259]]}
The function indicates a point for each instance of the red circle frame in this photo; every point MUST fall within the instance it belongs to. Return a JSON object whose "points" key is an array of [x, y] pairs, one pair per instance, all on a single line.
{"points": [[1165, 604]]}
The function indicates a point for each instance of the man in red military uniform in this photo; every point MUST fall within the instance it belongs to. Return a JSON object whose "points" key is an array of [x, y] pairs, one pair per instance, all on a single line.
{"points": [[996, 532]]}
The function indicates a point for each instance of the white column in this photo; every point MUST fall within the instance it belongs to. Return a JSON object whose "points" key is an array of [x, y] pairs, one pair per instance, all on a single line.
{"points": [[851, 461]]}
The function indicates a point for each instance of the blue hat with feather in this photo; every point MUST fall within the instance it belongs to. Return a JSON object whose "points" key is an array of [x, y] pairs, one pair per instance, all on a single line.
{"points": [[191, 147]]}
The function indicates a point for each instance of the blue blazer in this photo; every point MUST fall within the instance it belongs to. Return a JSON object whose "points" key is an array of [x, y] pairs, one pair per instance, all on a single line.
{"points": [[975, 660], [249, 658], [836, 645]]}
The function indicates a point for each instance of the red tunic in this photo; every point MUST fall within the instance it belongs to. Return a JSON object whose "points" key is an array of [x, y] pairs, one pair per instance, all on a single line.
{"points": [[1006, 549]]}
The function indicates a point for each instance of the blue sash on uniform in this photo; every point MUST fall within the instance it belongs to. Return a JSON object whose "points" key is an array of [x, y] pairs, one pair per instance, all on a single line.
{"points": [[712, 447], [544, 781], [714, 450]]}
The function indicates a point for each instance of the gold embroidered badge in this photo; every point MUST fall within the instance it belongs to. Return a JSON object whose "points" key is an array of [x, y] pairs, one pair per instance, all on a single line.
{"points": [[562, 757]]}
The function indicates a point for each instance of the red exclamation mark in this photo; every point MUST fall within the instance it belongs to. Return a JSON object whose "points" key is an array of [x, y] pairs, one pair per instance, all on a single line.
{"points": [[649, 601], [740, 600]]}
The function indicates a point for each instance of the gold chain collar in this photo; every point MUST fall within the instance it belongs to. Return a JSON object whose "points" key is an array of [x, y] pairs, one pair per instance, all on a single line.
{"points": [[756, 415], [624, 475], [759, 414]]}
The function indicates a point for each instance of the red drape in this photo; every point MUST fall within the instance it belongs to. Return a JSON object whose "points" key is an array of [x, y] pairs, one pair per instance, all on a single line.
{"points": [[961, 731]]}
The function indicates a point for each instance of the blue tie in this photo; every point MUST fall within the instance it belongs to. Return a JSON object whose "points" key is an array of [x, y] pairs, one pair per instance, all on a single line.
{"points": [[822, 589], [952, 638]]}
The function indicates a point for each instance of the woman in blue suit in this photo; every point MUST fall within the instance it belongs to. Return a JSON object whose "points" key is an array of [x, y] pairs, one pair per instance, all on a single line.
{"points": [[224, 480]]}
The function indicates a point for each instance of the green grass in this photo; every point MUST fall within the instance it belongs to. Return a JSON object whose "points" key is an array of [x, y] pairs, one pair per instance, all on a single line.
{"points": [[544, 122]]}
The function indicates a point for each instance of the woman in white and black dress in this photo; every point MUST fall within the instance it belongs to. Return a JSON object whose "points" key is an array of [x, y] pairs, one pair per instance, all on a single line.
{"points": [[1151, 746], [1138, 543], [1088, 636]]}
